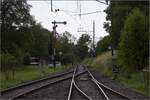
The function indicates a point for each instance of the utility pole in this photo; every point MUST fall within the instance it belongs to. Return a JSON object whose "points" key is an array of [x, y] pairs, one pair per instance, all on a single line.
{"points": [[93, 38], [93, 44], [51, 5], [54, 41]]}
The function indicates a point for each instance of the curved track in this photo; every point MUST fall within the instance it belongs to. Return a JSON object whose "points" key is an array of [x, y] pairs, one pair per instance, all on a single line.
{"points": [[28, 88], [105, 92], [83, 86]]}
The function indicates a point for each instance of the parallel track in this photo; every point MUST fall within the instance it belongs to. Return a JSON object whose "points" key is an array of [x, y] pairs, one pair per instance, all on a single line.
{"points": [[18, 91], [25, 89]]}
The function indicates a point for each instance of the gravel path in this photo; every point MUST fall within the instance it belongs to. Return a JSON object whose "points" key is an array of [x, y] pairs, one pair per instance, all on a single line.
{"points": [[118, 87]]}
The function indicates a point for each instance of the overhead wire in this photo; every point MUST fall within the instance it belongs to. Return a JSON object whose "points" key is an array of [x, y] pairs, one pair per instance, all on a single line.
{"points": [[88, 13], [67, 12]]}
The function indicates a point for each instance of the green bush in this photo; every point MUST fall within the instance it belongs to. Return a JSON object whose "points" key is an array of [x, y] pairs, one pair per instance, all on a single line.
{"points": [[67, 58], [134, 43], [88, 61], [26, 59], [8, 64], [103, 44]]}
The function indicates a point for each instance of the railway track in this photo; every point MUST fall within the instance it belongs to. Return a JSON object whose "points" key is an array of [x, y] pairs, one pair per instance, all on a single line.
{"points": [[28, 88], [103, 93], [83, 86]]}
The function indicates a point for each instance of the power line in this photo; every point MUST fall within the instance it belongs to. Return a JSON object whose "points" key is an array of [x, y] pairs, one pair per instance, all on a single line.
{"points": [[89, 13], [67, 11], [100, 1]]}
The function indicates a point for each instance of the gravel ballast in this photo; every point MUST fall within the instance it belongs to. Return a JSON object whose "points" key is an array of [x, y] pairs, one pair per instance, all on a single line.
{"points": [[115, 85]]}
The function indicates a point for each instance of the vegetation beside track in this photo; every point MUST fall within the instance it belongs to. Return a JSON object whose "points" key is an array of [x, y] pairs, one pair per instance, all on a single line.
{"points": [[134, 80], [27, 73], [101, 63]]}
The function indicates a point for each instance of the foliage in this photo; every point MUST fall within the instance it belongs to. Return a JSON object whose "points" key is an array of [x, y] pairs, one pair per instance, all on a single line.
{"points": [[8, 64], [82, 46], [88, 61], [103, 44], [133, 47], [135, 82], [117, 12], [72, 52], [21, 37], [16, 20], [14, 14], [102, 63], [67, 58], [40, 38], [26, 60], [65, 45], [27, 73]]}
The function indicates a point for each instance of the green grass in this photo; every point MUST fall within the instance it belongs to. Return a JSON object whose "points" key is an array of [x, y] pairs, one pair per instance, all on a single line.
{"points": [[88, 61], [135, 83], [103, 64], [25, 74]]}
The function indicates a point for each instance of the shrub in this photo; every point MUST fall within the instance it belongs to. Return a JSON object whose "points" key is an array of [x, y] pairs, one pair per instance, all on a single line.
{"points": [[133, 46], [8, 63]]}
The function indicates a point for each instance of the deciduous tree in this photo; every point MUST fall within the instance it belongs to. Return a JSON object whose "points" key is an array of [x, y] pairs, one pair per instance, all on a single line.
{"points": [[134, 44]]}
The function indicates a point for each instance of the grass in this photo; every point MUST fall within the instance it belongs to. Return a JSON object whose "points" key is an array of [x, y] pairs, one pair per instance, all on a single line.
{"points": [[25, 74], [135, 83], [88, 61], [103, 63]]}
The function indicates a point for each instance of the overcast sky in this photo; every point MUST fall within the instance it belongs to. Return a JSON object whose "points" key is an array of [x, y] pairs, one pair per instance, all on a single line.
{"points": [[41, 10]]}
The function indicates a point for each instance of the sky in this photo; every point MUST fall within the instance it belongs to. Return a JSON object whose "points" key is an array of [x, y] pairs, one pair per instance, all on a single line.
{"points": [[69, 11]]}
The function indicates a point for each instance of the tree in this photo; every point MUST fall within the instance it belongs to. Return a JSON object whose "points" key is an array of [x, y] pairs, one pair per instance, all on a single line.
{"points": [[21, 36], [103, 44], [65, 44], [82, 46], [40, 40], [15, 23], [117, 12], [15, 35], [134, 41], [67, 58], [14, 15]]}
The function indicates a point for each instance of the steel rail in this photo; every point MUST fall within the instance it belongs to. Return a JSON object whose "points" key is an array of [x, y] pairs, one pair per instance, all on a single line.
{"points": [[89, 98], [106, 87], [94, 80], [73, 83], [19, 95], [34, 81], [35, 89]]}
